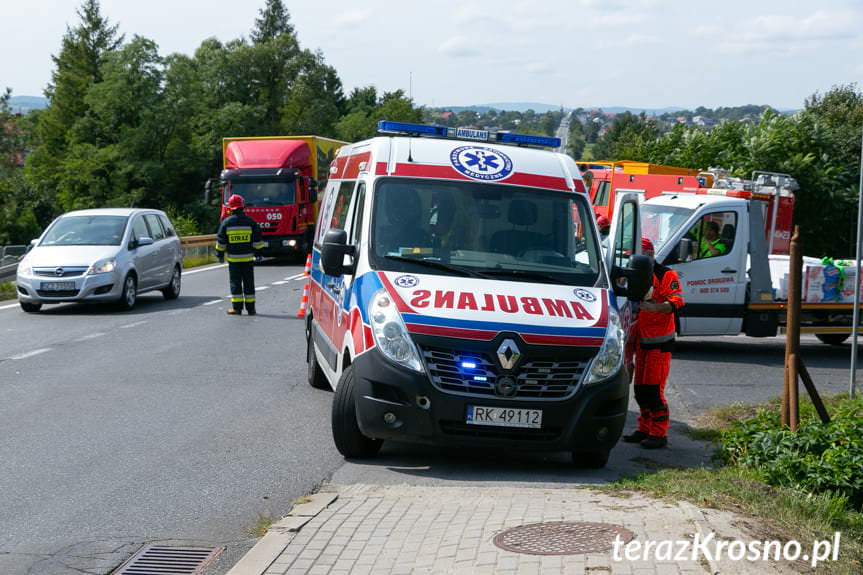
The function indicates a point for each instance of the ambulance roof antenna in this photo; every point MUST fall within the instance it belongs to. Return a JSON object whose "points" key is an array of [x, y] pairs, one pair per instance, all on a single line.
{"points": [[410, 100]]}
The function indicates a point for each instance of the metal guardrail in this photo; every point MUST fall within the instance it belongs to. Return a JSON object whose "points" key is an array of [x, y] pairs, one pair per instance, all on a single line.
{"points": [[193, 246]]}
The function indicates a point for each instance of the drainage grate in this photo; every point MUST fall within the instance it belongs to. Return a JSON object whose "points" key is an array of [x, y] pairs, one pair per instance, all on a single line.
{"points": [[561, 538], [161, 560]]}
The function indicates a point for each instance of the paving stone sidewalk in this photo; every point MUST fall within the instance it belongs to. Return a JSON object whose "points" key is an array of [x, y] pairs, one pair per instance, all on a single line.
{"points": [[408, 530]]}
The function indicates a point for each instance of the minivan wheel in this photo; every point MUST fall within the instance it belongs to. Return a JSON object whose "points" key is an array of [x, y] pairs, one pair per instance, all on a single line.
{"points": [[316, 376], [30, 307], [173, 289], [590, 460], [347, 436], [130, 293]]}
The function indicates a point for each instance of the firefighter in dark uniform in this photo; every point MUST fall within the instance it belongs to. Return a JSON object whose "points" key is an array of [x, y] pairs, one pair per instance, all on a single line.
{"points": [[653, 338], [240, 242]]}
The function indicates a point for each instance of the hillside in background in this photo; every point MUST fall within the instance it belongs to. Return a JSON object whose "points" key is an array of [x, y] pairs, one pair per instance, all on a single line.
{"points": [[23, 104]]}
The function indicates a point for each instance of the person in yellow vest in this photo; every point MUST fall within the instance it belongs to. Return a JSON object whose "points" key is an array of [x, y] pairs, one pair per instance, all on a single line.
{"points": [[239, 241], [711, 244]]}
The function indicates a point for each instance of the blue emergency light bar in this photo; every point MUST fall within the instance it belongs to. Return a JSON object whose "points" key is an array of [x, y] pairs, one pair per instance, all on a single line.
{"points": [[409, 129]]}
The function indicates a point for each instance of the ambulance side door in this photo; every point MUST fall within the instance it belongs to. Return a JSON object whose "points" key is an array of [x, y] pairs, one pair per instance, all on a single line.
{"points": [[624, 241]]}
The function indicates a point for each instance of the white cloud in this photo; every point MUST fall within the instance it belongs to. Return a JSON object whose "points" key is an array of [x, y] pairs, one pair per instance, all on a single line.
{"points": [[459, 47], [353, 17], [638, 40]]}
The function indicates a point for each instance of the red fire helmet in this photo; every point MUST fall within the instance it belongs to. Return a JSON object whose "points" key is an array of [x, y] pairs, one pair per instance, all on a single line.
{"points": [[236, 201]]}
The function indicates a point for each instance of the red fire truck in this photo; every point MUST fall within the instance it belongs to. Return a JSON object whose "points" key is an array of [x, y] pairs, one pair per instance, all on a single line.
{"points": [[278, 177]]}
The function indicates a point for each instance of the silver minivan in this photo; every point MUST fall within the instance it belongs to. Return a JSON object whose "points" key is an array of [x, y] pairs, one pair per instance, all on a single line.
{"points": [[110, 254]]}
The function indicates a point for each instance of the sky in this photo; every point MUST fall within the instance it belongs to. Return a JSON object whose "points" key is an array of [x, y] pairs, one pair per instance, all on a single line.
{"points": [[572, 53]]}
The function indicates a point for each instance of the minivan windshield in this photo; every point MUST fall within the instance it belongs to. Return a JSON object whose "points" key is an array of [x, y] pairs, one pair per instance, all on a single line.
{"points": [[264, 193], [484, 230], [86, 231]]}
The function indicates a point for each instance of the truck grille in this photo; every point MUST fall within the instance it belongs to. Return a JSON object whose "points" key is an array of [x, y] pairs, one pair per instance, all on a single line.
{"points": [[477, 374]]}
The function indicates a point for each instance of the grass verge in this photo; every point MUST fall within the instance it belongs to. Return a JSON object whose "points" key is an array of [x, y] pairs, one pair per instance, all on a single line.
{"points": [[261, 525], [7, 291], [193, 262], [781, 513]]}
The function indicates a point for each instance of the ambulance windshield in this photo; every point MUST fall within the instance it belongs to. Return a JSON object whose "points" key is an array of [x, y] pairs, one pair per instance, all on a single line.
{"points": [[500, 231]]}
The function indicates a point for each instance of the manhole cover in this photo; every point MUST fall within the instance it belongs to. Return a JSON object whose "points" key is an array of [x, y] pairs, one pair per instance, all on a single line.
{"points": [[561, 538], [162, 560]]}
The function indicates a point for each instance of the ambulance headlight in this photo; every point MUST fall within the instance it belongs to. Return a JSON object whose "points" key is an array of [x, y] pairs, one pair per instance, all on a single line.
{"points": [[391, 335], [609, 360]]}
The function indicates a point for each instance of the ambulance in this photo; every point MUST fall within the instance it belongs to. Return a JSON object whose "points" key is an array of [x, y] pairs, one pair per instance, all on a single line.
{"points": [[459, 296]]}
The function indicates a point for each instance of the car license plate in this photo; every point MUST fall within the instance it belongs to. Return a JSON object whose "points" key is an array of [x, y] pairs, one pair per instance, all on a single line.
{"points": [[58, 286], [504, 416]]}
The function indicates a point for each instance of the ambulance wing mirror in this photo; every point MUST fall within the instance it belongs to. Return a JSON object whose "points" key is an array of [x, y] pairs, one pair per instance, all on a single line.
{"points": [[638, 276], [333, 251]]}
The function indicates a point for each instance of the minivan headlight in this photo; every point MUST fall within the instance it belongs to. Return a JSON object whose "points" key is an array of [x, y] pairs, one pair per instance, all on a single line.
{"points": [[609, 360], [390, 333], [103, 267]]}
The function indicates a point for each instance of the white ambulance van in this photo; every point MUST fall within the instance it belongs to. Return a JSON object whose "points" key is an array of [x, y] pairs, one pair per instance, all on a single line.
{"points": [[459, 296]]}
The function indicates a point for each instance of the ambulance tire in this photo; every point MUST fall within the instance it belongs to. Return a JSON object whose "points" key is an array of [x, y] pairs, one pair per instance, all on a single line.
{"points": [[316, 376], [349, 440], [590, 460], [833, 338]]}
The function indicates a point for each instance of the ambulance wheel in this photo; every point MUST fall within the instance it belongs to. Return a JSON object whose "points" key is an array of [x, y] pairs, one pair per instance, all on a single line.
{"points": [[832, 338], [590, 460], [347, 436], [317, 379]]}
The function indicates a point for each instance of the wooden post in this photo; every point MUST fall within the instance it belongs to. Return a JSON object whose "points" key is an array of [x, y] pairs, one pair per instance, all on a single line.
{"points": [[790, 404]]}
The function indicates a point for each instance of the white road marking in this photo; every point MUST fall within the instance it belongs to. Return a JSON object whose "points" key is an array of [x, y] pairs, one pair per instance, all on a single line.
{"points": [[89, 336], [133, 324], [204, 269], [280, 283], [262, 288], [8, 306], [31, 353], [296, 277], [212, 302]]}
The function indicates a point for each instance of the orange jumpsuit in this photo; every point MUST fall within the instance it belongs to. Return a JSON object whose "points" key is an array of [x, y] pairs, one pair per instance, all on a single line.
{"points": [[654, 336]]}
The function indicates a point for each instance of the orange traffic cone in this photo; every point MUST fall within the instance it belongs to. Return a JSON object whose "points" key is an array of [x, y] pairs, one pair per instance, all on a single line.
{"points": [[304, 302], [308, 271]]}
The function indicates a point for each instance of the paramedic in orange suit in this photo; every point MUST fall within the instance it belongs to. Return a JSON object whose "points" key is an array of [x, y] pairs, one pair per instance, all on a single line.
{"points": [[653, 339]]}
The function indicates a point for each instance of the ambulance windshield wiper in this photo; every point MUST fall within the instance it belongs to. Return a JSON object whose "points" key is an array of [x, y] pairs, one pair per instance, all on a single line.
{"points": [[523, 274], [439, 265]]}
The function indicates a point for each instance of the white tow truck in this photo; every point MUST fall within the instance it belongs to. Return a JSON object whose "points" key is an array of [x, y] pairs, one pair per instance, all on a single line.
{"points": [[742, 289]]}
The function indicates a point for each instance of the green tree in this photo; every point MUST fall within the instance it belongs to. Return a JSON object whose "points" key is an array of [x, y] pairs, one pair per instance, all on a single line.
{"points": [[628, 138], [316, 99], [366, 109]]}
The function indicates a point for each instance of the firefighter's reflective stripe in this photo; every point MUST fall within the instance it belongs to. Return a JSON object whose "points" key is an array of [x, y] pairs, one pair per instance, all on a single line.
{"points": [[250, 299], [259, 245], [220, 247], [236, 299], [237, 258], [239, 234]]}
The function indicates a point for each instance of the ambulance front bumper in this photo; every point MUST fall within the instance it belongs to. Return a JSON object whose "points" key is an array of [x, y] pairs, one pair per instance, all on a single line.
{"points": [[395, 403]]}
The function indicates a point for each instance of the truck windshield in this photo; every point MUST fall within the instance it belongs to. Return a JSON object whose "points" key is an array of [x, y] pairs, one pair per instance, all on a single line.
{"points": [[506, 232], [659, 222], [263, 193]]}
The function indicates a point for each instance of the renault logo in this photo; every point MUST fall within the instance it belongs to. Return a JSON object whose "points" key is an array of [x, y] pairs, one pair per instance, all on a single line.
{"points": [[508, 354]]}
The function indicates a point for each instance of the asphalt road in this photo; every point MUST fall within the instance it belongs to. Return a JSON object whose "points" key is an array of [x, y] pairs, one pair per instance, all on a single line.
{"points": [[177, 424], [172, 423]]}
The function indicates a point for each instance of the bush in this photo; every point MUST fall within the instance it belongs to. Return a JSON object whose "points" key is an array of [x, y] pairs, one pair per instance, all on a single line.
{"points": [[185, 224], [818, 458]]}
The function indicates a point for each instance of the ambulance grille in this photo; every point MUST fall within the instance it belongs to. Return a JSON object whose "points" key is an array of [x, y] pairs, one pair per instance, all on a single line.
{"points": [[540, 379]]}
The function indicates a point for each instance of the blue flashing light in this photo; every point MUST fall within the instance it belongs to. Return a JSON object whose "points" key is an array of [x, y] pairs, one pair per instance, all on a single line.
{"points": [[468, 365], [527, 140], [408, 128], [480, 378]]}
